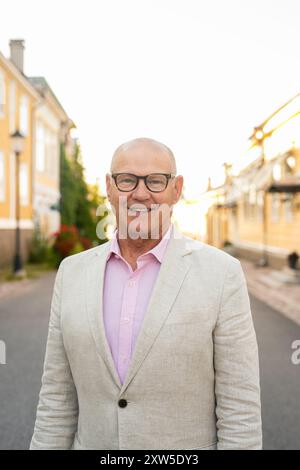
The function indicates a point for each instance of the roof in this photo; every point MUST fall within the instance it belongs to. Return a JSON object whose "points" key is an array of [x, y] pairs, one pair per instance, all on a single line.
{"points": [[42, 86], [19, 76], [288, 185], [264, 176]]}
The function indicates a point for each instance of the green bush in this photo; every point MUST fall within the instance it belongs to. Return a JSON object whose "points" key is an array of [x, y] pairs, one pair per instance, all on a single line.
{"points": [[52, 258], [38, 248], [78, 247], [42, 252]]}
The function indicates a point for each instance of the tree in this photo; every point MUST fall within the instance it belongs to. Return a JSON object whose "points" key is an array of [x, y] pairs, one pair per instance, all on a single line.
{"points": [[79, 200]]}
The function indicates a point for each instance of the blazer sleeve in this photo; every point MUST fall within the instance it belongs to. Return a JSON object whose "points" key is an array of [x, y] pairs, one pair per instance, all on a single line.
{"points": [[57, 411], [236, 363]]}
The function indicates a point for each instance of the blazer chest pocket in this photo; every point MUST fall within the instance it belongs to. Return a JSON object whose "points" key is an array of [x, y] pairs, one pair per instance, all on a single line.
{"points": [[186, 317], [185, 335]]}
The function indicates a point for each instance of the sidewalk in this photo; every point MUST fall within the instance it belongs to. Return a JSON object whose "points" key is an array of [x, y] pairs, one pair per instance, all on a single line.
{"points": [[16, 287], [283, 297]]}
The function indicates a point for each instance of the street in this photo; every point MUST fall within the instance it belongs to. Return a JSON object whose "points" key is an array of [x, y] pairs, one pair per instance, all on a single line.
{"points": [[23, 327]]}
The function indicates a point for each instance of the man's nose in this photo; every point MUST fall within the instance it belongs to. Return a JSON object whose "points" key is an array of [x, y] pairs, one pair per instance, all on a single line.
{"points": [[141, 191]]}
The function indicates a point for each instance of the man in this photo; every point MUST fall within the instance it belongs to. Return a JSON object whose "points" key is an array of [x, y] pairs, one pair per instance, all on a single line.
{"points": [[151, 343]]}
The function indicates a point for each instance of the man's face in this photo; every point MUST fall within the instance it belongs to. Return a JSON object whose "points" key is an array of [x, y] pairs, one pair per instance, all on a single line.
{"points": [[142, 211]]}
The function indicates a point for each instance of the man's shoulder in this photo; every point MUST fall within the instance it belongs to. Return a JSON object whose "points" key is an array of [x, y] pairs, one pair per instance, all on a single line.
{"points": [[83, 256], [209, 253]]}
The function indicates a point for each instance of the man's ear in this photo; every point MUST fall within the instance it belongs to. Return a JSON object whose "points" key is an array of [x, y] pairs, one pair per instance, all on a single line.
{"points": [[108, 184], [178, 187]]}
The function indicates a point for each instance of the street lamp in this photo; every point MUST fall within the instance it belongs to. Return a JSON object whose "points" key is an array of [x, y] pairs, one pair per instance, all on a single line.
{"points": [[17, 140], [259, 134], [259, 137]]}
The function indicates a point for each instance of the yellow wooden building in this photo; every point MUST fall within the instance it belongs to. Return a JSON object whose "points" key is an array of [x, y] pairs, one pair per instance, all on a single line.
{"points": [[257, 209], [29, 105], [51, 127], [17, 101]]}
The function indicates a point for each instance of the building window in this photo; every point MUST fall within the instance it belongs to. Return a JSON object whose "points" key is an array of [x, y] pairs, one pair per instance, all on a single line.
{"points": [[246, 206], [54, 157], [48, 151], [40, 148], [290, 164], [2, 94], [12, 106], [12, 185], [24, 187], [51, 153], [277, 173], [250, 204], [252, 201], [275, 207], [288, 207], [2, 177], [24, 115], [260, 205]]}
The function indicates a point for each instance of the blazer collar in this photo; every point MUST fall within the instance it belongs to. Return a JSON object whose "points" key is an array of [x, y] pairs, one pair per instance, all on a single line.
{"points": [[158, 250]]}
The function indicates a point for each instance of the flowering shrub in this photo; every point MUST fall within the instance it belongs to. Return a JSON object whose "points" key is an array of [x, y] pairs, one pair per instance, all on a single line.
{"points": [[85, 242], [68, 240]]}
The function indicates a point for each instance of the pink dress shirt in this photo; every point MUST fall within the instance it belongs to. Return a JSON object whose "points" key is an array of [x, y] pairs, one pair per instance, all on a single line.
{"points": [[125, 298]]}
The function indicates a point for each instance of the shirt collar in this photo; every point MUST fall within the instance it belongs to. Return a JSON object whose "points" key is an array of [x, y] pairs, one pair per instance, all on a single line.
{"points": [[158, 251]]}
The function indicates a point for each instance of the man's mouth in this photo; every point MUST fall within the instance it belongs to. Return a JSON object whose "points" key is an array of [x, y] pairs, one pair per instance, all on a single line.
{"points": [[132, 210]]}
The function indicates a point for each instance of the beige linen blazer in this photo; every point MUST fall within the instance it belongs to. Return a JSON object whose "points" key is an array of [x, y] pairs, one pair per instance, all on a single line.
{"points": [[193, 382]]}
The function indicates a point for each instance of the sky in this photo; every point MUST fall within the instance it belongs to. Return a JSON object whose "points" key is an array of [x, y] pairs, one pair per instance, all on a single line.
{"points": [[197, 75]]}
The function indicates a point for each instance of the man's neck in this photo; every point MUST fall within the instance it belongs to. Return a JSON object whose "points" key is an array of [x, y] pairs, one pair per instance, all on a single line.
{"points": [[132, 249]]}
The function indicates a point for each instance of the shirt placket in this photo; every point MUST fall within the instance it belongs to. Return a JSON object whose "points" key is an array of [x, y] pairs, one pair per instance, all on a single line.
{"points": [[126, 323]]}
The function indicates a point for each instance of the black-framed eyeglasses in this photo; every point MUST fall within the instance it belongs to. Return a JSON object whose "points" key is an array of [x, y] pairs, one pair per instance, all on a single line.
{"points": [[155, 182]]}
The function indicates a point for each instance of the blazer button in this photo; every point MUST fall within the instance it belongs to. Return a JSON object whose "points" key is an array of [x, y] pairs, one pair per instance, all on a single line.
{"points": [[122, 403]]}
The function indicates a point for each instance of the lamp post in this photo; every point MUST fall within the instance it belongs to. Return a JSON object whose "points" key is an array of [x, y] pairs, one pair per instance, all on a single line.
{"points": [[17, 140], [259, 136]]}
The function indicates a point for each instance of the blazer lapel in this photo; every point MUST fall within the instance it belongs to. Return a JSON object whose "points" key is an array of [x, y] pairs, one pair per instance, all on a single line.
{"points": [[94, 297]]}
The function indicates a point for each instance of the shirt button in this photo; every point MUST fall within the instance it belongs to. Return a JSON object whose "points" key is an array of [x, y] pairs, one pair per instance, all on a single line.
{"points": [[122, 403]]}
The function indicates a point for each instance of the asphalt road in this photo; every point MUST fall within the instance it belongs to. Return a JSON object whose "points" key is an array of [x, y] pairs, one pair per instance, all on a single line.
{"points": [[23, 327]]}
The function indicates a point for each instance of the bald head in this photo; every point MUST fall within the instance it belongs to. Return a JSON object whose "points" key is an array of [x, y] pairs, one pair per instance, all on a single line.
{"points": [[146, 149]]}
